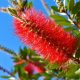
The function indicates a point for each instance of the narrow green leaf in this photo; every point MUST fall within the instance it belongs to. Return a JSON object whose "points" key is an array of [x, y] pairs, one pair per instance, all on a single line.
{"points": [[77, 55], [78, 16], [23, 52], [61, 20], [65, 3], [76, 33], [36, 76], [70, 5], [52, 66], [58, 17], [69, 28], [78, 72], [76, 8], [71, 70], [15, 59], [30, 4], [55, 8], [19, 3], [12, 11], [61, 74], [24, 3], [64, 23], [6, 77]]}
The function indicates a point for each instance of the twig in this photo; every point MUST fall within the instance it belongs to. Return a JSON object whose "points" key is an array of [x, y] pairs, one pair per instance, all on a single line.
{"points": [[46, 6], [60, 4], [77, 60], [70, 18], [8, 51], [6, 71]]}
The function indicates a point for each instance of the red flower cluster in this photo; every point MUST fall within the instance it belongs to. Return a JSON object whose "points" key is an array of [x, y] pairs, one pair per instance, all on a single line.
{"points": [[45, 37], [33, 69]]}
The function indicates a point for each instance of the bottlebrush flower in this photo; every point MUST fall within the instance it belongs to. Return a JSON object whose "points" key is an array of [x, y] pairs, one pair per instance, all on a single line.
{"points": [[33, 69], [44, 36]]}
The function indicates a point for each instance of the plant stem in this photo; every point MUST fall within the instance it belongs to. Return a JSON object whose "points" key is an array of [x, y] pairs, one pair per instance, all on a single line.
{"points": [[70, 18], [5, 70], [9, 51], [76, 60], [60, 4]]}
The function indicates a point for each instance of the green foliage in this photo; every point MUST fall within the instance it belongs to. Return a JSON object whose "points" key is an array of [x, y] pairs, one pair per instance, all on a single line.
{"points": [[61, 20], [70, 74], [76, 33], [78, 16], [55, 8], [9, 51], [52, 66], [12, 11], [23, 52], [5, 77], [22, 3], [77, 55], [78, 72], [28, 52], [76, 8], [21, 72], [71, 5], [70, 29], [30, 4]]}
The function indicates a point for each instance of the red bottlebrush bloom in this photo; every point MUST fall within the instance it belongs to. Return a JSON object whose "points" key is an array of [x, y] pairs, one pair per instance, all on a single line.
{"points": [[33, 69], [45, 37]]}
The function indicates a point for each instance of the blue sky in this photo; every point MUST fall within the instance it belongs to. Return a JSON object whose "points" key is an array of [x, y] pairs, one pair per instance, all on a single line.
{"points": [[7, 36]]}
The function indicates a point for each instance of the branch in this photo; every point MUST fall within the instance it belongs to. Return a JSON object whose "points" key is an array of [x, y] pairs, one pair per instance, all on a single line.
{"points": [[77, 60], [70, 19], [46, 7], [4, 70], [62, 9], [9, 51]]}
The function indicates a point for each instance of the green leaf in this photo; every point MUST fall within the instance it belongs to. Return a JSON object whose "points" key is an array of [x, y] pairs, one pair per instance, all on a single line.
{"points": [[65, 3], [61, 20], [52, 66], [58, 17], [15, 59], [55, 8], [61, 74], [36, 58], [19, 3], [6, 77], [28, 52], [12, 11], [36, 76], [71, 5], [23, 52], [21, 72], [78, 16], [30, 4], [76, 8], [77, 55], [76, 33], [64, 23], [69, 28], [47, 76], [78, 72], [71, 70], [24, 2]]}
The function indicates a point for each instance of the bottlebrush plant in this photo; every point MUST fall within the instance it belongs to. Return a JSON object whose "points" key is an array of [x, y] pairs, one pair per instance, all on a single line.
{"points": [[53, 42]]}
